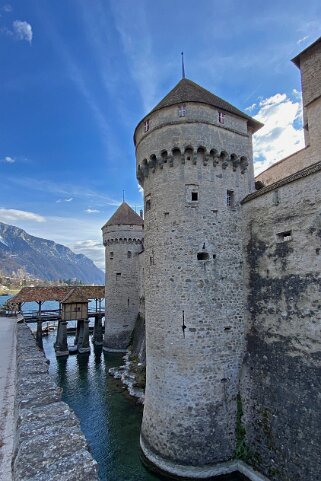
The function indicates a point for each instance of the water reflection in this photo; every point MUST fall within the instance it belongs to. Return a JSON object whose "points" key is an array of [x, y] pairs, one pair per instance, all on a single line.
{"points": [[109, 418]]}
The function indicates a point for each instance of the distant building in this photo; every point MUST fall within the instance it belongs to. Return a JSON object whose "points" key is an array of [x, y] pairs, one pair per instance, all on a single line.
{"points": [[231, 282]]}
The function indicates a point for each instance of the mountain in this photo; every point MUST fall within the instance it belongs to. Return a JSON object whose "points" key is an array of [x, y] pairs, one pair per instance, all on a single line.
{"points": [[42, 258]]}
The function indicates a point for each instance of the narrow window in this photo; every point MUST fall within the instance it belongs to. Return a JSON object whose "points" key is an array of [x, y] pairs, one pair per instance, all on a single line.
{"points": [[202, 256], [285, 236], [194, 196], [146, 125], [182, 111], [118, 275], [129, 254], [276, 197], [230, 198], [221, 117], [147, 204], [111, 255]]}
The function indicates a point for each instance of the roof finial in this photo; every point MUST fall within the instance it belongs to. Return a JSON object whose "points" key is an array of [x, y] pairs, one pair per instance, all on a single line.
{"points": [[123, 196], [183, 67]]}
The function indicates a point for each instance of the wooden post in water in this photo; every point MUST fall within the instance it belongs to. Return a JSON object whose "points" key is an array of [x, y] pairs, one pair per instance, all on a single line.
{"points": [[39, 327]]}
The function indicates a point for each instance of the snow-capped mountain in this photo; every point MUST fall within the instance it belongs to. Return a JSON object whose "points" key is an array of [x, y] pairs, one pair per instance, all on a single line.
{"points": [[42, 258]]}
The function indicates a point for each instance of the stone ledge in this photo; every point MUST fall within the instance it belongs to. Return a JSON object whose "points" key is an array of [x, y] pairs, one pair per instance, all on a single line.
{"points": [[49, 444], [199, 472]]}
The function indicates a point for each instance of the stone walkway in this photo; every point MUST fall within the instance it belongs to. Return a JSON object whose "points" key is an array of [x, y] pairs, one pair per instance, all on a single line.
{"points": [[7, 393]]}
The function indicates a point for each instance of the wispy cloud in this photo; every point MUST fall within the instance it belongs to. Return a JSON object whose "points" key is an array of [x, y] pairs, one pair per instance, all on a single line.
{"points": [[282, 134], [67, 191], [92, 249], [69, 199], [303, 39], [92, 211], [8, 160], [138, 49], [13, 214], [7, 8], [22, 30]]}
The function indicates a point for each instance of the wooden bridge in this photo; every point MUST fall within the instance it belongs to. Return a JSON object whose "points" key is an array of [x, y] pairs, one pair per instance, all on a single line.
{"points": [[73, 306]]}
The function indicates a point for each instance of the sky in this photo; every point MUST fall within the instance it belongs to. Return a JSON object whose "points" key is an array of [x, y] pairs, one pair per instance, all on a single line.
{"points": [[78, 75]]}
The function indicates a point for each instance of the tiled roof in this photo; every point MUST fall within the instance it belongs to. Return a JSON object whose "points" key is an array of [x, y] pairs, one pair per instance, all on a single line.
{"points": [[56, 293], [311, 169], [75, 295], [188, 91], [124, 215]]}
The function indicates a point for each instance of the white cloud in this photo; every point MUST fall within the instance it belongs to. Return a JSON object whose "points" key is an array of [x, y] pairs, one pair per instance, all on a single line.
{"points": [[13, 214], [92, 249], [92, 211], [64, 200], [282, 134], [8, 160], [303, 39], [22, 30]]}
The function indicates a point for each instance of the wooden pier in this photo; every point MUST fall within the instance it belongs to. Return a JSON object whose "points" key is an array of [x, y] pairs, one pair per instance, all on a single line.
{"points": [[73, 306]]}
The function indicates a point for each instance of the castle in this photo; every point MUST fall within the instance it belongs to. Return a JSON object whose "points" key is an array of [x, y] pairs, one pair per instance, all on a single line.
{"points": [[226, 272]]}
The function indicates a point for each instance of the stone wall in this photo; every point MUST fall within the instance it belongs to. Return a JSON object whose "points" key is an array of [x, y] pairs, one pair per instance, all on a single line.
{"points": [[281, 377], [122, 243], [193, 275], [49, 444]]}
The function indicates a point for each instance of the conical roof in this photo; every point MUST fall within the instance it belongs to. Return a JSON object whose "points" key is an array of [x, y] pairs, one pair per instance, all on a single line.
{"points": [[188, 91], [124, 215]]}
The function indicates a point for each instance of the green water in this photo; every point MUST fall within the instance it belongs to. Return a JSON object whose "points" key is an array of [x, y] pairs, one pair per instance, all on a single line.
{"points": [[109, 418]]}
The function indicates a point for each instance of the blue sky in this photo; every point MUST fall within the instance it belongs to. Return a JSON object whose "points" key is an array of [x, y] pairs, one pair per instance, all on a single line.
{"points": [[78, 75]]}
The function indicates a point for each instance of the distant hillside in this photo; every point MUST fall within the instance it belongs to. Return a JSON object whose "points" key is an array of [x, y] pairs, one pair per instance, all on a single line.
{"points": [[43, 259]]}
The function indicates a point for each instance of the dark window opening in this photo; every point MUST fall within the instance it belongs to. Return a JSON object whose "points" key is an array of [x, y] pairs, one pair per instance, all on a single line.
{"points": [[227, 328], [230, 198], [221, 117], [285, 236], [202, 256], [194, 196], [317, 251], [111, 255], [129, 254], [214, 256], [147, 204], [118, 275]]}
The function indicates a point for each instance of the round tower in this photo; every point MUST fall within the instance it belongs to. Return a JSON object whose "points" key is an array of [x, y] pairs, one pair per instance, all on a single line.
{"points": [[194, 161], [123, 238]]}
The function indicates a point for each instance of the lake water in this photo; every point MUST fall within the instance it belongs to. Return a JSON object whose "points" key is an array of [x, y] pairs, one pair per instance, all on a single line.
{"points": [[109, 417]]}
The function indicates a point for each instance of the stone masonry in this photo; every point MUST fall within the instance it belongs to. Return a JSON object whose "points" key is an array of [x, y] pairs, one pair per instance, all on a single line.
{"points": [[123, 235], [49, 444], [229, 285]]}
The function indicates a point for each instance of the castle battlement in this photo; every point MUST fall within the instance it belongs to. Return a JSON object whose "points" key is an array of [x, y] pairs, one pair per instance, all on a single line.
{"points": [[199, 155]]}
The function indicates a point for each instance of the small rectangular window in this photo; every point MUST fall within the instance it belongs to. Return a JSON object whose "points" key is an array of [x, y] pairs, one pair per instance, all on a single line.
{"points": [[285, 236], [146, 125], [118, 275], [221, 117], [147, 203], [181, 111], [129, 254], [111, 255], [194, 196], [230, 198]]}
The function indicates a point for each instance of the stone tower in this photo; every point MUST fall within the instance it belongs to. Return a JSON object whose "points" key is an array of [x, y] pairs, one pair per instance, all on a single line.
{"points": [[123, 237], [194, 161]]}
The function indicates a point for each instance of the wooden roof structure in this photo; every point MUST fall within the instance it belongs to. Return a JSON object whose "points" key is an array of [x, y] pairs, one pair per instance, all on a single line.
{"points": [[56, 293], [75, 296]]}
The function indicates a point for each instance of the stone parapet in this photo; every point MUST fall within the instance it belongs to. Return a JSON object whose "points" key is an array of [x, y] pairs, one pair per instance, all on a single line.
{"points": [[49, 444]]}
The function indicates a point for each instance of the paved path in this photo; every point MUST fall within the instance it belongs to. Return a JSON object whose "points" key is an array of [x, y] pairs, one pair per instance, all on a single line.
{"points": [[7, 392]]}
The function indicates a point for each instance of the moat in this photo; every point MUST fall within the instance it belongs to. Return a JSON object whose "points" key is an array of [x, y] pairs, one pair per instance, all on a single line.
{"points": [[110, 418]]}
